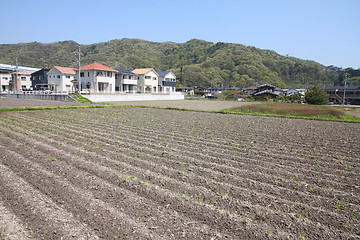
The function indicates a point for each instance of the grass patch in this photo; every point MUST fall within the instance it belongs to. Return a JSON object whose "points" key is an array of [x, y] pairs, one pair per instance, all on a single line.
{"points": [[294, 110], [80, 98]]}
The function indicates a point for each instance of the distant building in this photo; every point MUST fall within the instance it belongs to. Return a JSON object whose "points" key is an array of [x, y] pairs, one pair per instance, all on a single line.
{"points": [[39, 80], [336, 94], [265, 92]]}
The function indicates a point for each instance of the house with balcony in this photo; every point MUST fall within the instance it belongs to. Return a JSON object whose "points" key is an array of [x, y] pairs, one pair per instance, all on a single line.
{"points": [[148, 79], [167, 82], [39, 80], [125, 81], [97, 78], [61, 79]]}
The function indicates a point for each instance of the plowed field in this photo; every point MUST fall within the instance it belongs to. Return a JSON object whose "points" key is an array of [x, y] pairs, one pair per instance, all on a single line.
{"points": [[137, 173]]}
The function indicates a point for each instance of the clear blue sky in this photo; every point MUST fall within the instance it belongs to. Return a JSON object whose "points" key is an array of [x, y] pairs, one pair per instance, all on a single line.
{"points": [[326, 31]]}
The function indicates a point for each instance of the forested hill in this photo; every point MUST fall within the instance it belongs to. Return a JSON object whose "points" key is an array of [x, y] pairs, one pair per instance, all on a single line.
{"points": [[195, 62]]}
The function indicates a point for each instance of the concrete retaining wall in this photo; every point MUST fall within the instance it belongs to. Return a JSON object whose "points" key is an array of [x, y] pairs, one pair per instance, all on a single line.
{"points": [[133, 97], [54, 97]]}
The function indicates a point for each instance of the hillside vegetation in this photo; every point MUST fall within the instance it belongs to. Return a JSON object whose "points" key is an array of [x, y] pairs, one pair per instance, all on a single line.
{"points": [[195, 62]]}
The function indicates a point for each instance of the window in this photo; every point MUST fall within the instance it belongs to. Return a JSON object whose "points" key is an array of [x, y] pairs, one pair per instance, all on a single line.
{"points": [[88, 74], [81, 74], [154, 78], [5, 78], [67, 76], [99, 74], [23, 78], [58, 76], [40, 77], [147, 77], [109, 74]]}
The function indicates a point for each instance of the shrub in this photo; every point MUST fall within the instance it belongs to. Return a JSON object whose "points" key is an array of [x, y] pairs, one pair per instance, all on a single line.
{"points": [[316, 96]]}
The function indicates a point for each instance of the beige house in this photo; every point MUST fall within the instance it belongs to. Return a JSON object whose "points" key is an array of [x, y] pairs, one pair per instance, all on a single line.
{"points": [[147, 79], [23, 82], [97, 78]]}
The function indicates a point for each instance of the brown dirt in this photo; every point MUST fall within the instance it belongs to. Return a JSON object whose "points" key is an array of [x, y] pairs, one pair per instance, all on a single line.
{"points": [[134, 173]]}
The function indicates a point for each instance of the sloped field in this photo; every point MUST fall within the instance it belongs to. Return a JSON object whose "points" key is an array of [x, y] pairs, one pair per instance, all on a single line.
{"points": [[133, 173]]}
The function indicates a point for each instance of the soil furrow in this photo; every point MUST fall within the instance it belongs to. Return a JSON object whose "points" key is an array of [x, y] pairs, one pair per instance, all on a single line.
{"points": [[244, 189]]}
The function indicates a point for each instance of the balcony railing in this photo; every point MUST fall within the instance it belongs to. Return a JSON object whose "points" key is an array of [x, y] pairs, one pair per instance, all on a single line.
{"points": [[169, 84]]}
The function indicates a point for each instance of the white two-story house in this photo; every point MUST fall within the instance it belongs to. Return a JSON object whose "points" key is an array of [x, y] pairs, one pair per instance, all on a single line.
{"points": [[147, 79], [125, 81], [97, 78], [61, 78], [167, 82]]}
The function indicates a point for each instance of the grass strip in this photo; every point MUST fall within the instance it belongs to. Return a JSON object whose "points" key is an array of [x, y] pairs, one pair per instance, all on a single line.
{"points": [[80, 98]]}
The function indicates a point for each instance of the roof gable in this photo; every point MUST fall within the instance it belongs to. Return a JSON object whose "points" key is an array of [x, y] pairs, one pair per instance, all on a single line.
{"points": [[143, 71], [166, 73], [96, 66], [63, 70]]}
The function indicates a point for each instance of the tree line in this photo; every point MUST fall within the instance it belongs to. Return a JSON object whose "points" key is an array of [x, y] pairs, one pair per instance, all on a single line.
{"points": [[195, 62]]}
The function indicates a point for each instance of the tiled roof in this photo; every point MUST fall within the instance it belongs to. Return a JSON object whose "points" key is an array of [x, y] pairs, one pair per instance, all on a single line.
{"points": [[65, 70], [24, 72], [124, 71], [96, 66], [143, 70], [163, 74]]}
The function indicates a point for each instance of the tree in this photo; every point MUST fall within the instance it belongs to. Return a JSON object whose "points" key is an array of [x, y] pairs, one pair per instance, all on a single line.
{"points": [[316, 96]]}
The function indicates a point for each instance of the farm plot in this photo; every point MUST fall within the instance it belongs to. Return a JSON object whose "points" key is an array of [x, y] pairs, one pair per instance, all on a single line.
{"points": [[135, 173]]}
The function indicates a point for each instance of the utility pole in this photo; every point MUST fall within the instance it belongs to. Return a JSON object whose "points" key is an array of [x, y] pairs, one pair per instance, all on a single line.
{"points": [[79, 80], [17, 76], [345, 89]]}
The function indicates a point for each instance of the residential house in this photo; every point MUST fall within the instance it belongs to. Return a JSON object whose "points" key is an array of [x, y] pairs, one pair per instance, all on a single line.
{"points": [[148, 79], [265, 92], [61, 79], [291, 92], [125, 81], [5, 78], [6, 73], [186, 90], [236, 97], [97, 78], [167, 82], [250, 90], [23, 81], [336, 94], [39, 80]]}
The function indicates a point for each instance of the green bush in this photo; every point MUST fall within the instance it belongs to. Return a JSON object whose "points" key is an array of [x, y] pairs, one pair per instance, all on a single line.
{"points": [[316, 96]]}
